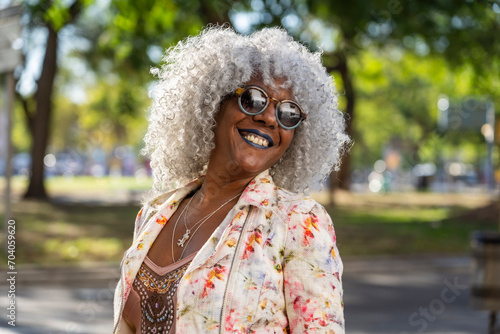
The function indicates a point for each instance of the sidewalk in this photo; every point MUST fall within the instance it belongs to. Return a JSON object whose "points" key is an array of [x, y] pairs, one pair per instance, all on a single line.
{"points": [[426, 294], [400, 295]]}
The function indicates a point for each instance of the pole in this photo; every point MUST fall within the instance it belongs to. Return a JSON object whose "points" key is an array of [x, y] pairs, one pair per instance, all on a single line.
{"points": [[10, 56], [9, 103]]}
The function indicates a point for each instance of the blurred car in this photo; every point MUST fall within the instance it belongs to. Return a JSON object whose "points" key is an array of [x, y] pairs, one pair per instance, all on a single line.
{"points": [[21, 163], [69, 163]]}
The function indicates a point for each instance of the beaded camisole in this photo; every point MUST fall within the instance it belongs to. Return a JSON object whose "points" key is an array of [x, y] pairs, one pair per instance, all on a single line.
{"points": [[150, 307]]}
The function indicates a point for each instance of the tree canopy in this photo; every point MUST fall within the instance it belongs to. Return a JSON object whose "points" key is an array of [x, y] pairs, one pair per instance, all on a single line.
{"points": [[391, 60]]}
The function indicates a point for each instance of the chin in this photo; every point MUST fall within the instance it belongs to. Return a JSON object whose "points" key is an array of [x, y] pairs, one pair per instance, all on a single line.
{"points": [[250, 166]]}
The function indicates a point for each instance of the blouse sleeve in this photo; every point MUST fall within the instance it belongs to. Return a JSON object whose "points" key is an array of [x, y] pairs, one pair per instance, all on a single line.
{"points": [[312, 274], [138, 220], [144, 214]]}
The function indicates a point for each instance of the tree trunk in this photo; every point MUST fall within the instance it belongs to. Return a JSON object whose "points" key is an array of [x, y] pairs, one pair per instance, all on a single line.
{"points": [[41, 119], [341, 179], [344, 174], [215, 12]]}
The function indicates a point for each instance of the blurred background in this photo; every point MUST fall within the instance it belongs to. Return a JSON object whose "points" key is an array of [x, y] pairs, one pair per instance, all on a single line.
{"points": [[419, 82]]}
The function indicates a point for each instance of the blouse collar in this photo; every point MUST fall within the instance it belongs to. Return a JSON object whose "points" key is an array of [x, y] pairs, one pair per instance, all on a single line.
{"points": [[260, 192]]}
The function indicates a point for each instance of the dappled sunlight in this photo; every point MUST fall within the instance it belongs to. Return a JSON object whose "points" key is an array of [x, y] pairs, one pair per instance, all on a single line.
{"points": [[407, 223], [84, 249], [72, 233], [466, 199]]}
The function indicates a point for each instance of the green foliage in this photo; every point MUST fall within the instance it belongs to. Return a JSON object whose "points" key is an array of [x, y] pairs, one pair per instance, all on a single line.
{"points": [[401, 54], [135, 30], [56, 13], [118, 109], [125, 38], [113, 114], [394, 104], [462, 31]]}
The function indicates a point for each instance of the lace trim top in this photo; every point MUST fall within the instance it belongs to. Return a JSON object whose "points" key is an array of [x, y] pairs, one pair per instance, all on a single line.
{"points": [[150, 307]]}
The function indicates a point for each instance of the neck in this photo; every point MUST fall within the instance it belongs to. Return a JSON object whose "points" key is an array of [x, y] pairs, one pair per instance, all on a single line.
{"points": [[220, 185]]}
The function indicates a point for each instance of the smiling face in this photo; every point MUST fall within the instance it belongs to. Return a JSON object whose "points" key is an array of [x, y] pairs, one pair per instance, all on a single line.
{"points": [[252, 143]]}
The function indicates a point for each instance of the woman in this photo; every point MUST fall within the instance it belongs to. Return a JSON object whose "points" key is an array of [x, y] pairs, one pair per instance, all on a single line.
{"points": [[232, 250]]}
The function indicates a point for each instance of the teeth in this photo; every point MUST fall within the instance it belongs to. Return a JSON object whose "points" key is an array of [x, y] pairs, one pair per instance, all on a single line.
{"points": [[257, 140]]}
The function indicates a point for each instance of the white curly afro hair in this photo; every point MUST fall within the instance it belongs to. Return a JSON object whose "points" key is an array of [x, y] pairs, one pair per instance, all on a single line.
{"points": [[200, 71]]}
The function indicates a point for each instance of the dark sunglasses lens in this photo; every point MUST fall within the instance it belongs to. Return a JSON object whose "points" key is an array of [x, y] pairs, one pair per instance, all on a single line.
{"points": [[253, 101], [289, 114]]}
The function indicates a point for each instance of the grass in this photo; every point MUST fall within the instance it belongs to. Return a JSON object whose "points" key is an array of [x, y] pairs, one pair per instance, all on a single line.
{"points": [[415, 223], [87, 186], [50, 233]]}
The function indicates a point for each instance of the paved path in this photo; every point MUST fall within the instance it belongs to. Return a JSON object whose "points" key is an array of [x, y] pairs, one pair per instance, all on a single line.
{"points": [[425, 295], [381, 295]]}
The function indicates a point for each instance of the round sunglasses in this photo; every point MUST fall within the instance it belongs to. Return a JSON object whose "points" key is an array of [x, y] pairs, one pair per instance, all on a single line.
{"points": [[253, 100]]}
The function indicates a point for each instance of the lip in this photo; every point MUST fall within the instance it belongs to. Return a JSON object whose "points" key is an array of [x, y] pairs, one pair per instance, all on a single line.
{"points": [[253, 144], [257, 132]]}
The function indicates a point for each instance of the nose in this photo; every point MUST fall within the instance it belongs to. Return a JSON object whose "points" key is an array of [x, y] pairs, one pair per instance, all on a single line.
{"points": [[268, 116]]}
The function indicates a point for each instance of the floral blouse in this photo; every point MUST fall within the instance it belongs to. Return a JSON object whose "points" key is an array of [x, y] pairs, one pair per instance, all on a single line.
{"points": [[272, 265]]}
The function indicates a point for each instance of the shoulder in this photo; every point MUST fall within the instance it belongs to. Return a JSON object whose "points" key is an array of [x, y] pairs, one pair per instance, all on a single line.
{"points": [[288, 202], [306, 219], [156, 201], [153, 205], [150, 207], [295, 210]]}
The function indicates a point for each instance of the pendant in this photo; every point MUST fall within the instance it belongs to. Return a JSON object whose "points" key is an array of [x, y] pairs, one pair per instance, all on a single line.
{"points": [[182, 240]]}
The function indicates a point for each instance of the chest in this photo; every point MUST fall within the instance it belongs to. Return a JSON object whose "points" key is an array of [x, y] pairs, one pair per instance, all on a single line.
{"points": [[184, 234], [241, 285]]}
